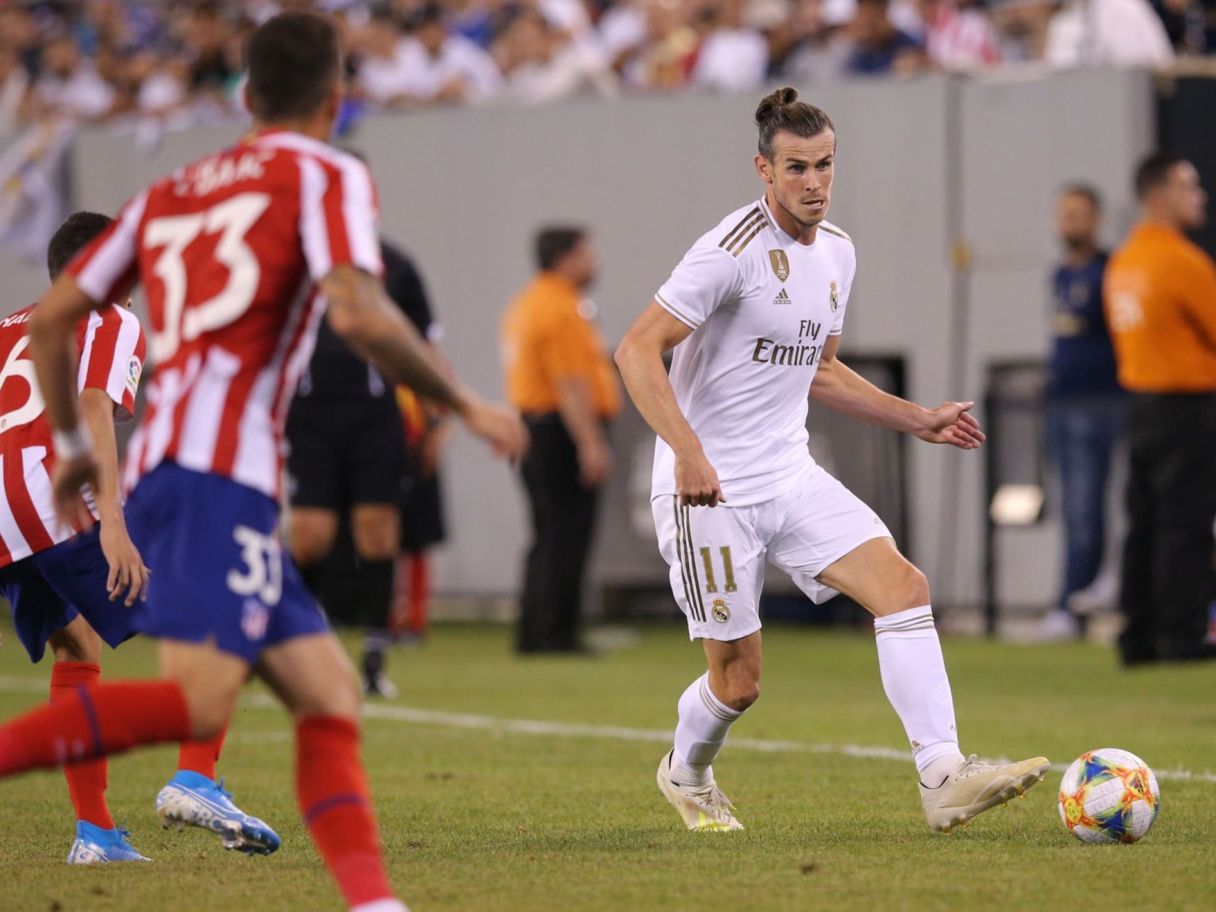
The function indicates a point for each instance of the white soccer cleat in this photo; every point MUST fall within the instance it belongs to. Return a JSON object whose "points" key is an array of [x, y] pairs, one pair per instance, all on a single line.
{"points": [[703, 808], [976, 786]]}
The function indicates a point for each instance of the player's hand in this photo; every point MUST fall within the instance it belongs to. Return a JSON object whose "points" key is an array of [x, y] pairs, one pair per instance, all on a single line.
{"points": [[127, 571], [70, 476], [697, 481], [498, 426], [953, 424], [594, 464]]}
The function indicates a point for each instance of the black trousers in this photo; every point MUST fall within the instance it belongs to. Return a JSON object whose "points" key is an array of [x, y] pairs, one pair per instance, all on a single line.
{"points": [[1168, 576], [563, 521]]}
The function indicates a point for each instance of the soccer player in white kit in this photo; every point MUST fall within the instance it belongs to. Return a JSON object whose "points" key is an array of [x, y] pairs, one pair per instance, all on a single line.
{"points": [[754, 313]]}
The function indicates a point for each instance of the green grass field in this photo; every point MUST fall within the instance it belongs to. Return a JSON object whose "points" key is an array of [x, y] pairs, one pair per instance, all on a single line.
{"points": [[482, 814]]}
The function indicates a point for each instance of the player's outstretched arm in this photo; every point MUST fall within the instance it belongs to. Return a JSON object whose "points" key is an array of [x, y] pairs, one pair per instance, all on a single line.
{"points": [[52, 332], [844, 390], [362, 314], [640, 358], [128, 577]]}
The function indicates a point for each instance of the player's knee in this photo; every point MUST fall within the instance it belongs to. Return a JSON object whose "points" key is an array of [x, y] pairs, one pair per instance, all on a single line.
{"points": [[915, 587], [376, 537], [741, 692], [344, 699], [309, 545], [76, 643]]}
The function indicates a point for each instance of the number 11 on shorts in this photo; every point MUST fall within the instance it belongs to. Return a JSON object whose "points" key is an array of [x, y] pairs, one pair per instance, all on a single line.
{"points": [[728, 569]]}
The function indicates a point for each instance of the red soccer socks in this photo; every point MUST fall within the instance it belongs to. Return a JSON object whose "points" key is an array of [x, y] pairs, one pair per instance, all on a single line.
{"points": [[334, 799]]}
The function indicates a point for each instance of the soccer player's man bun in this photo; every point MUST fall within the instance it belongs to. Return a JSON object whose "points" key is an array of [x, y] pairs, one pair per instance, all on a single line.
{"points": [[783, 112], [770, 103]]}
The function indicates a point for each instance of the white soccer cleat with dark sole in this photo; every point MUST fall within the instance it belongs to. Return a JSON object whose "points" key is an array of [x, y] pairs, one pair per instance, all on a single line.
{"points": [[703, 808], [975, 787]]}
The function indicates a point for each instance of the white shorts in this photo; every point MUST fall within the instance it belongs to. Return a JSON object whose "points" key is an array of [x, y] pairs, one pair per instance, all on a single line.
{"points": [[716, 555]]}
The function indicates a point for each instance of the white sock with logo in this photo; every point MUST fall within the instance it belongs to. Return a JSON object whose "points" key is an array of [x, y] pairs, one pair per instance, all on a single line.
{"points": [[914, 677], [700, 732]]}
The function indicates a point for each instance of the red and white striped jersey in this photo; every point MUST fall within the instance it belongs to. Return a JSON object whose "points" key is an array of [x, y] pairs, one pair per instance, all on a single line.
{"points": [[111, 346], [229, 251]]}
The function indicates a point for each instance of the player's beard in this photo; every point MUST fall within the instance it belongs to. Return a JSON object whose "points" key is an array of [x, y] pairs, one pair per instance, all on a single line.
{"points": [[810, 222]]}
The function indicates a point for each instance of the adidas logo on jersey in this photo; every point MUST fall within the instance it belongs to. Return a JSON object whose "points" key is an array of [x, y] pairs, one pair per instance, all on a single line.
{"points": [[782, 298]]}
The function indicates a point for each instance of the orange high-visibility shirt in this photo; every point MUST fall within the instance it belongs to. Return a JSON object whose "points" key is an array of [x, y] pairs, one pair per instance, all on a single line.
{"points": [[546, 338], [1160, 292]]}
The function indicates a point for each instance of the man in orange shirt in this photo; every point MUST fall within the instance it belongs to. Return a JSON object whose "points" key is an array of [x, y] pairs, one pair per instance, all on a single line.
{"points": [[1161, 308], [561, 380]]}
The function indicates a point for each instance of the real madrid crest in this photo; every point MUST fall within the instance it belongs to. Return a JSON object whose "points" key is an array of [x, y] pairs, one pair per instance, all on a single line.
{"points": [[720, 612], [835, 297], [780, 263]]}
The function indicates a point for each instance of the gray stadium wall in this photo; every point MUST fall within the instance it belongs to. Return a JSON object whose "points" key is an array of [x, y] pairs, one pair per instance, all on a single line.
{"points": [[922, 164]]}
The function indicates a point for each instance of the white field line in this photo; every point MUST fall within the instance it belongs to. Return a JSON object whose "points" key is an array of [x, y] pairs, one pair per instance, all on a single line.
{"points": [[412, 716]]}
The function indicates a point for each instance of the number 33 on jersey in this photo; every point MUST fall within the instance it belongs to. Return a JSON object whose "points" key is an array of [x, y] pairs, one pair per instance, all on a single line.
{"points": [[230, 250]]}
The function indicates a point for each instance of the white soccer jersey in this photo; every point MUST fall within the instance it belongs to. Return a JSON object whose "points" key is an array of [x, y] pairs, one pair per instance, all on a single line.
{"points": [[762, 306]]}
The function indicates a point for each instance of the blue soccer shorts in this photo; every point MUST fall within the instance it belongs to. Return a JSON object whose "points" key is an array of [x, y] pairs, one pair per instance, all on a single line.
{"points": [[219, 572], [48, 590]]}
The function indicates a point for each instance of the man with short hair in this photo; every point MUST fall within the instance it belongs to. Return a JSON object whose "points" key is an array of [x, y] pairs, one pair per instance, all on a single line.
{"points": [[240, 254], [559, 376], [754, 313], [1085, 407], [1161, 308], [71, 591]]}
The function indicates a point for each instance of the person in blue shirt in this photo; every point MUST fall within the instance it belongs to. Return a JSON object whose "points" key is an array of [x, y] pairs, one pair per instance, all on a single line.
{"points": [[1085, 405], [879, 47]]}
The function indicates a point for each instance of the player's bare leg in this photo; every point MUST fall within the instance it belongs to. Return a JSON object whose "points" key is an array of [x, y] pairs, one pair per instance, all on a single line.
{"points": [[376, 531], [77, 651], [707, 709], [211, 680], [316, 681], [953, 789]]}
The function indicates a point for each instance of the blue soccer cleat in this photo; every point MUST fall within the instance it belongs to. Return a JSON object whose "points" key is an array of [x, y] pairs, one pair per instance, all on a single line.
{"points": [[191, 799], [94, 845]]}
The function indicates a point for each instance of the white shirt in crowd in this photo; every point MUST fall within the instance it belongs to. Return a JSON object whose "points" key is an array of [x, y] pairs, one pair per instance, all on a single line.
{"points": [[762, 307], [412, 72], [573, 70], [84, 94], [732, 60], [1112, 32]]}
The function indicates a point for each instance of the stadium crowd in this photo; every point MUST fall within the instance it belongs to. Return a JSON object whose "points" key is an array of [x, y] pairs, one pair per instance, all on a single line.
{"points": [[180, 60]]}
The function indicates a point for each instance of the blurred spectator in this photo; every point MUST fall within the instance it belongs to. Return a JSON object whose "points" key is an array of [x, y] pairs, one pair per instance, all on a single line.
{"points": [[1113, 32], [69, 84], [732, 57], [442, 68], [813, 50], [383, 75], [1186, 24], [211, 69], [958, 37], [14, 89], [1085, 408], [622, 29], [1022, 27], [666, 57], [879, 47], [1161, 308], [542, 64], [560, 378]]}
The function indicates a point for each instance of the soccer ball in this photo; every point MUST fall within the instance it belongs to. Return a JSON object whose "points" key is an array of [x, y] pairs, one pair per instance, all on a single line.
{"points": [[1109, 795]]}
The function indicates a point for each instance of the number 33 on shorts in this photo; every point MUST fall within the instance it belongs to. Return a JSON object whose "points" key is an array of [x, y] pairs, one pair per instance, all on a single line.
{"points": [[716, 567]]}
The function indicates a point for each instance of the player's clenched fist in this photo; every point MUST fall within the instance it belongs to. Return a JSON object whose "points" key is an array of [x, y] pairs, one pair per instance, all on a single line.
{"points": [[697, 481]]}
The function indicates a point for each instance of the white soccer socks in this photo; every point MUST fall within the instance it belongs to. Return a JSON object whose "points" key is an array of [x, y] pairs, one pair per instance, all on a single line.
{"points": [[914, 677], [700, 732]]}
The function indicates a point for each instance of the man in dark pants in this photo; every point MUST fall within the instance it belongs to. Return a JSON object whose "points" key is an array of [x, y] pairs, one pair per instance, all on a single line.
{"points": [[560, 378], [1161, 307], [347, 461], [1085, 404]]}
